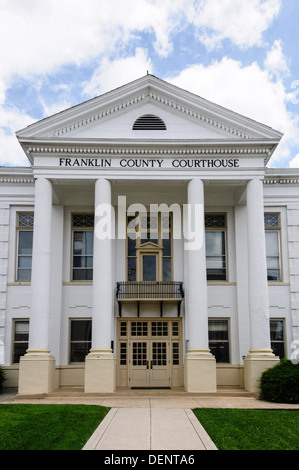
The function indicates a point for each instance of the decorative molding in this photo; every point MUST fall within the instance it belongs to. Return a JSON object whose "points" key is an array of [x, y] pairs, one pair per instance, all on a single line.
{"points": [[158, 98], [281, 181], [201, 117], [16, 180], [149, 151], [99, 115]]}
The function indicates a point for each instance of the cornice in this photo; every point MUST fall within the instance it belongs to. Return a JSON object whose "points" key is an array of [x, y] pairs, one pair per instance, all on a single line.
{"points": [[281, 176], [16, 179], [148, 150], [272, 181]]}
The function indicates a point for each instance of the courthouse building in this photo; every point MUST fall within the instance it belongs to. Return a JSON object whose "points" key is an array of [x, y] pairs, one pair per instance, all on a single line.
{"points": [[147, 245]]}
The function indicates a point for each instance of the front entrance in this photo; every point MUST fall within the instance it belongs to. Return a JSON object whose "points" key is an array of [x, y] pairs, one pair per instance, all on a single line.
{"points": [[149, 353], [149, 364]]}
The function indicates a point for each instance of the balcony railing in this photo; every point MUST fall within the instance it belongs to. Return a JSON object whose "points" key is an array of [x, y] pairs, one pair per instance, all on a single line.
{"points": [[161, 292], [164, 290]]}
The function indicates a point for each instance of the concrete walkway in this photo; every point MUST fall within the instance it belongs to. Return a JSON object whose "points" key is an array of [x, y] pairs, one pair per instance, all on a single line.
{"points": [[150, 429]]}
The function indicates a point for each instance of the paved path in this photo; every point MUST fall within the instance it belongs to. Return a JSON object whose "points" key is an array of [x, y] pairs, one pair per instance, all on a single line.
{"points": [[150, 429]]}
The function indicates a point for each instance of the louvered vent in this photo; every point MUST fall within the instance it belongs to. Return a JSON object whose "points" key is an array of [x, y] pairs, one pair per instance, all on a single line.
{"points": [[149, 122]]}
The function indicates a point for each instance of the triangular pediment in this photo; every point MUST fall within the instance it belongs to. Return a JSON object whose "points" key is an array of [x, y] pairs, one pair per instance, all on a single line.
{"points": [[112, 116]]}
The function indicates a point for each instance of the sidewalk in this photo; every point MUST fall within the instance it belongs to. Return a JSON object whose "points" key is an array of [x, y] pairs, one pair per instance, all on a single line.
{"points": [[150, 429]]}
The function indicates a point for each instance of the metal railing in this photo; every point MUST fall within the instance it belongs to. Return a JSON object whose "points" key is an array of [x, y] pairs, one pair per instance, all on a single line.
{"points": [[149, 290]]}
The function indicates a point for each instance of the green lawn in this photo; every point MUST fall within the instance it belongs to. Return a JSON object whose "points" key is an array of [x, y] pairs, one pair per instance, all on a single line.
{"points": [[48, 427], [238, 429]]}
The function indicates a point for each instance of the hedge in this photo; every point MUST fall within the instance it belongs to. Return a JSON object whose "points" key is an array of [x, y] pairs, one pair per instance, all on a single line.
{"points": [[280, 384], [2, 378]]}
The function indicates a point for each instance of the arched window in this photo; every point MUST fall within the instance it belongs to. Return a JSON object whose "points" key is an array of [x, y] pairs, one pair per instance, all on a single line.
{"points": [[149, 122]]}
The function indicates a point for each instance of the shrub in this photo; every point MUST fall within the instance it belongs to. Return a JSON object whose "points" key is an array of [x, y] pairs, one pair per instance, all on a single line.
{"points": [[280, 383], [2, 378]]}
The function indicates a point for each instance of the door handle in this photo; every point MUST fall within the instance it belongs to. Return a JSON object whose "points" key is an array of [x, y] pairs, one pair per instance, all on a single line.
{"points": [[151, 364], [147, 364]]}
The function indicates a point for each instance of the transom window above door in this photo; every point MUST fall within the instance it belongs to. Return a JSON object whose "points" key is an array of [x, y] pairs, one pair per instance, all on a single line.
{"points": [[149, 247]]}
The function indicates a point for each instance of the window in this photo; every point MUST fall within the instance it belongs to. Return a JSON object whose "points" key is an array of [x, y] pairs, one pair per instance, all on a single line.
{"points": [[272, 233], [149, 247], [82, 241], [80, 342], [219, 340], [277, 337], [25, 221], [21, 338], [215, 232]]}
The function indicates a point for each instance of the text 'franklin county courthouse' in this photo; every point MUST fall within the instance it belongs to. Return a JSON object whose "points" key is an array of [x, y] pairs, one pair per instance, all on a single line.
{"points": [[147, 245]]}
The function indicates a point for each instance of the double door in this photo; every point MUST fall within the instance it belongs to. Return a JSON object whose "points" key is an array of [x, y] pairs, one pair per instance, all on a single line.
{"points": [[149, 353], [149, 363]]}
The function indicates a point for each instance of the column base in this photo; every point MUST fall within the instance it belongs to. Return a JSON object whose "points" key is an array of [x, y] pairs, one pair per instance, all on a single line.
{"points": [[100, 375], [36, 372], [257, 361], [200, 371]]}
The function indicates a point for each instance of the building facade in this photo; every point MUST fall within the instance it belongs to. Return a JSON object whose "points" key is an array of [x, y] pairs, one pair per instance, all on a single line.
{"points": [[148, 244]]}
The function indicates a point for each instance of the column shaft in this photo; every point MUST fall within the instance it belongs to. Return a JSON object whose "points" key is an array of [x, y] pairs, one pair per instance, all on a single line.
{"points": [[100, 363], [41, 266], [102, 267], [197, 277], [199, 364], [37, 366], [257, 267], [260, 355]]}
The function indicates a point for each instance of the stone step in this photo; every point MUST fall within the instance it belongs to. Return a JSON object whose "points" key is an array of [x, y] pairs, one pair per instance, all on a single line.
{"points": [[122, 393]]}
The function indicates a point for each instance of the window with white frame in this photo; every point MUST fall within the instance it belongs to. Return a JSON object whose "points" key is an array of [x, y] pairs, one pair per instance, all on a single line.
{"points": [[20, 339], [80, 339], [277, 337], [82, 247], [25, 222], [272, 234], [219, 339], [216, 256]]}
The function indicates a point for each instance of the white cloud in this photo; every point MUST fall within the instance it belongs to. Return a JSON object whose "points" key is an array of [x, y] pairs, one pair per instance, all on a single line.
{"points": [[248, 90], [294, 163], [275, 61], [241, 21], [11, 153], [38, 36], [112, 74]]}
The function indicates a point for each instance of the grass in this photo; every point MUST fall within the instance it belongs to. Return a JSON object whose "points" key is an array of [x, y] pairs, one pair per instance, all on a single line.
{"points": [[238, 429], [48, 427]]}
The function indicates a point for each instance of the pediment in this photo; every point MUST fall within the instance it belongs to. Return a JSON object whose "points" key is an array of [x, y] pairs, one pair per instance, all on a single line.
{"points": [[113, 114]]}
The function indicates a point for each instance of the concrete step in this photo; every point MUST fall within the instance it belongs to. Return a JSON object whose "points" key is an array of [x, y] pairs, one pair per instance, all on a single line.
{"points": [[127, 393]]}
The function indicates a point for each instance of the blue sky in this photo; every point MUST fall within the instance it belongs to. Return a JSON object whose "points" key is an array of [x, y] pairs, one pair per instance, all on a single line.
{"points": [[241, 54]]}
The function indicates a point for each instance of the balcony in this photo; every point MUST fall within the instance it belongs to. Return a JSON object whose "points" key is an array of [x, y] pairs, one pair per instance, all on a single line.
{"points": [[164, 291]]}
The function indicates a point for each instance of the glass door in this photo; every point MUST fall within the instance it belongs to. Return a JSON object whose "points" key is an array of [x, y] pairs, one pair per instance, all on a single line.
{"points": [[149, 364]]}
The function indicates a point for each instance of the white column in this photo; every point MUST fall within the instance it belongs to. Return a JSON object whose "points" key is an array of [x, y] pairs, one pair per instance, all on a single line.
{"points": [[197, 284], [199, 365], [37, 367], [260, 355], [100, 363]]}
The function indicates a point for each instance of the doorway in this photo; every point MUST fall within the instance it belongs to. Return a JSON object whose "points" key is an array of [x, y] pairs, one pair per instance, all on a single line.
{"points": [[149, 353]]}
